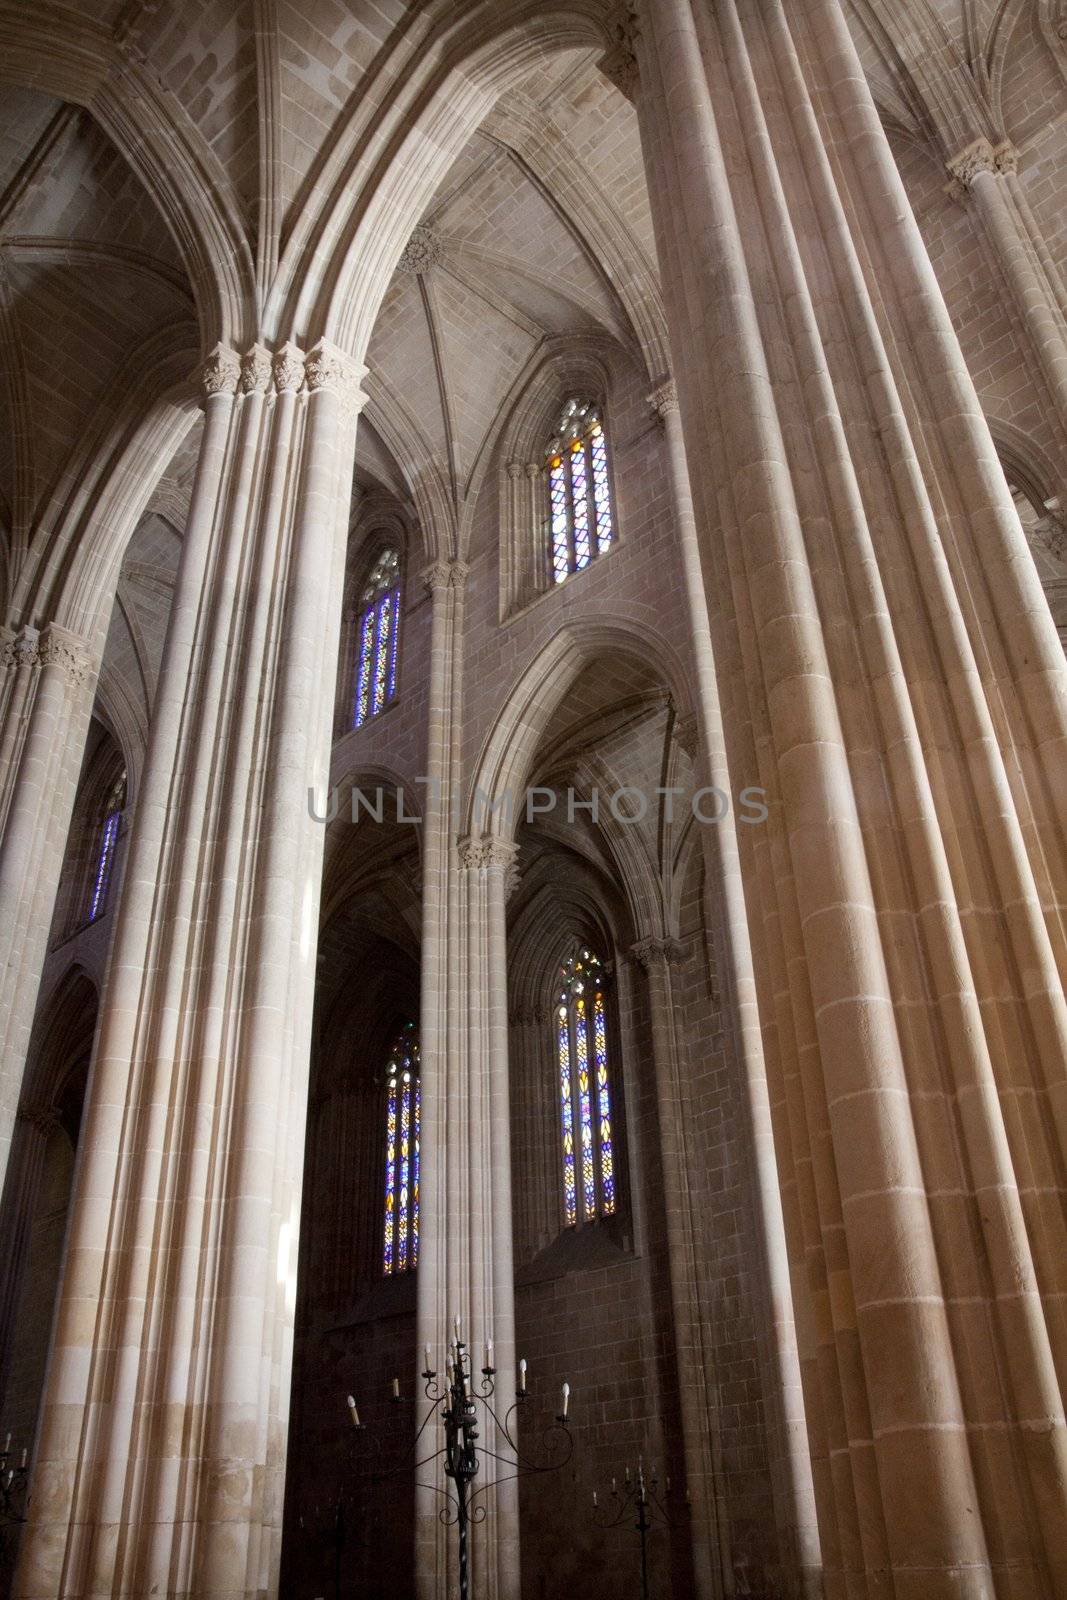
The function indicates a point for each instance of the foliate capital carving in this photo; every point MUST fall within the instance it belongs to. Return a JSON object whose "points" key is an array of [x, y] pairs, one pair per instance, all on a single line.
{"points": [[1051, 532], [476, 854], [328, 367], [664, 398], [687, 735], [255, 370], [422, 251], [65, 650], [288, 368], [445, 575], [1006, 157], [531, 1017], [619, 62], [20, 649], [657, 952], [221, 372], [968, 163]]}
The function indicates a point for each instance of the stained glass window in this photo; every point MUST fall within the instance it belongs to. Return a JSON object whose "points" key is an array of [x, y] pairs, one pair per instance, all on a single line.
{"points": [[378, 636], [581, 1034], [107, 838], [581, 521], [400, 1233]]}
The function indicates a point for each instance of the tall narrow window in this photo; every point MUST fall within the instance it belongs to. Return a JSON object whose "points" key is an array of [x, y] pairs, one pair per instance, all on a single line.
{"points": [[400, 1243], [107, 838], [584, 1091], [582, 522], [378, 638]]}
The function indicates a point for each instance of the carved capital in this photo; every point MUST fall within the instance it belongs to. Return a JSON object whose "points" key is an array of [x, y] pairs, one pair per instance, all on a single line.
{"points": [[687, 735], [968, 163], [664, 399], [619, 62], [255, 370], [327, 367], [20, 649], [422, 251], [288, 368], [657, 952], [531, 1017], [1006, 157], [485, 851], [221, 372], [445, 575], [65, 650], [1050, 531]]}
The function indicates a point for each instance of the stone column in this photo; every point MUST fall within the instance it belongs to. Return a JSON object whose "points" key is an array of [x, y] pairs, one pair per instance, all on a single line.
{"points": [[476, 1146], [989, 177], [46, 704], [726, 916], [445, 581], [161, 1452], [887, 663], [711, 1556]]}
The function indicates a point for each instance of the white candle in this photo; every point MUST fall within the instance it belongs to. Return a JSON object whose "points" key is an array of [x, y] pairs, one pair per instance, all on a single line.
{"points": [[594, 1500], [396, 1388], [522, 1376], [455, 1324], [22, 1463], [566, 1399], [352, 1412], [429, 1357], [489, 1352]]}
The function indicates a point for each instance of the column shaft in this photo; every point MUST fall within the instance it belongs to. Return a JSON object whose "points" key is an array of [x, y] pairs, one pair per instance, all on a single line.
{"points": [[162, 1447], [886, 659], [42, 740]]}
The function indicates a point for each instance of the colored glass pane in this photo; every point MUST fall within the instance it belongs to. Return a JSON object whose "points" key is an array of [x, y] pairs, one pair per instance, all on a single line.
{"points": [[581, 519], [379, 637], [585, 1090], [570, 1203], [403, 1107]]}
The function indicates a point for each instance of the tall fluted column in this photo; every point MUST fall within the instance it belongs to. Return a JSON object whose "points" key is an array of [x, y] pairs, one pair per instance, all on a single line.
{"points": [[161, 1453], [990, 177], [787, 1428], [695, 1398], [887, 663], [47, 701], [476, 1146], [445, 581]]}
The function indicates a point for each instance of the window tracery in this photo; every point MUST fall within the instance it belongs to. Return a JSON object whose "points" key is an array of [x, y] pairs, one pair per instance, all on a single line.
{"points": [[400, 1232], [581, 516], [585, 1096], [378, 638]]}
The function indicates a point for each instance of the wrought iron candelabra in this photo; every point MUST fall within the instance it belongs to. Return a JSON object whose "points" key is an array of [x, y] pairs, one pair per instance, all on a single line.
{"points": [[459, 1402], [12, 1483], [639, 1495]]}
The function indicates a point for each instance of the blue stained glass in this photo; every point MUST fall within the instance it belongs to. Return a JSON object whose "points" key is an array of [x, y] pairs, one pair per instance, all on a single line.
{"points": [[570, 1204], [598, 450], [585, 1091], [379, 637], [416, 1138], [104, 862], [363, 677], [391, 690], [580, 495], [585, 1110], [403, 1110], [390, 1175], [607, 1159], [560, 550], [581, 518]]}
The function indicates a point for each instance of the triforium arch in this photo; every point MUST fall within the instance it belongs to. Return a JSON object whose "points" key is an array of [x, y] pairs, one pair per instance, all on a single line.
{"points": [[507, 757]]}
